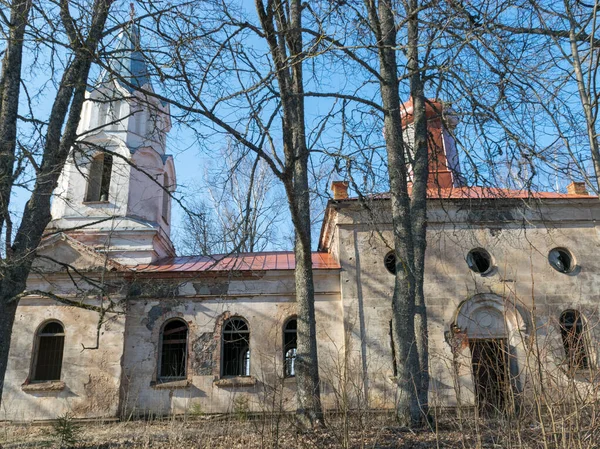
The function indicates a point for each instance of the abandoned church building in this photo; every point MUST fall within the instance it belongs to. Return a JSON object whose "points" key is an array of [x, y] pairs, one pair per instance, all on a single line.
{"points": [[506, 271]]}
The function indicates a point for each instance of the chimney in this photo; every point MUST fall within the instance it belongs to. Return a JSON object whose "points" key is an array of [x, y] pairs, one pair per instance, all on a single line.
{"points": [[444, 169], [340, 190], [577, 188]]}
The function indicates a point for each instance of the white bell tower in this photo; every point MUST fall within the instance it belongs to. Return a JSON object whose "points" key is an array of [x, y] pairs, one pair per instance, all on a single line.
{"points": [[113, 193]]}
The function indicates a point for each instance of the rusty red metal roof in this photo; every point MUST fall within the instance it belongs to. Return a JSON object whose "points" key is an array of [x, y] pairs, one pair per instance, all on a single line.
{"points": [[483, 193], [275, 260]]}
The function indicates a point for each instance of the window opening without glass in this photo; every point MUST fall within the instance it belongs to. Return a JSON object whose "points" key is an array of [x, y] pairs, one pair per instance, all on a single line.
{"points": [[479, 261], [573, 337], [290, 348], [236, 348], [99, 178], [173, 359], [50, 347]]}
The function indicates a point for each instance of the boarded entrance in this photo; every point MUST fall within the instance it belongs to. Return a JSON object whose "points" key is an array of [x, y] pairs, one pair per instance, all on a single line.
{"points": [[491, 374]]}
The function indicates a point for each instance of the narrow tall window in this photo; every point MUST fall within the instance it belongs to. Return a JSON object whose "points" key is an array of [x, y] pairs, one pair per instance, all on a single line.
{"points": [[573, 337], [173, 354], [49, 352], [289, 348], [99, 178], [236, 348], [166, 198]]}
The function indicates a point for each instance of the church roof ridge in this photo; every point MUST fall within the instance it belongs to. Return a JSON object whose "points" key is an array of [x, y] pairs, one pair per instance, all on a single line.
{"points": [[251, 261], [478, 192]]}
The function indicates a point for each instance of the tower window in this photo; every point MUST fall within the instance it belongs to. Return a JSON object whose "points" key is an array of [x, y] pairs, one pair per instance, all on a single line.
{"points": [[173, 354], [290, 348], [573, 337], [99, 178], [479, 261], [50, 344], [236, 348]]}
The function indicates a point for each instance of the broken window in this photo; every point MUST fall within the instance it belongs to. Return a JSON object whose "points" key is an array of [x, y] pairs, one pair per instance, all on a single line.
{"points": [[479, 261], [289, 348], [390, 262], [50, 345], [573, 337], [561, 260], [173, 354], [99, 178], [236, 348]]}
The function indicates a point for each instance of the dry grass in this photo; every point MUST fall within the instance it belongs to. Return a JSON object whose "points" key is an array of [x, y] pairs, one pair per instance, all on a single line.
{"points": [[230, 433], [227, 434]]}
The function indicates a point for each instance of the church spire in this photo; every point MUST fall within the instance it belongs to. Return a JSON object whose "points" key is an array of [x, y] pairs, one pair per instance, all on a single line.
{"points": [[115, 188], [127, 64]]}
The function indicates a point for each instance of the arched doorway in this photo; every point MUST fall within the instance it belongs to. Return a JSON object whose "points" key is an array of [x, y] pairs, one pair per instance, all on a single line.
{"points": [[491, 328]]}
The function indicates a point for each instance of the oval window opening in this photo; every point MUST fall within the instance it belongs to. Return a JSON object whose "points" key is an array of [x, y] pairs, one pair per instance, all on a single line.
{"points": [[561, 260], [390, 262], [479, 261]]}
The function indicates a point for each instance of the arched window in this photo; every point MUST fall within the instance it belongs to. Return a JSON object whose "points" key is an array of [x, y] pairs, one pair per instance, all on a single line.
{"points": [[50, 342], [236, 348], [99, 178], [289, 348], [573, 337], [173, 353], [166, 198]]}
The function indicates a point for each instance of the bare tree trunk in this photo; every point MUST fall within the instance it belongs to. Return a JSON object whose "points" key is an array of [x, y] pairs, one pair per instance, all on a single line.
{"points": [[307, 368], [403, 300], [282, 23], [419, 199], [10, 86], [590, 119], [69, 100]]}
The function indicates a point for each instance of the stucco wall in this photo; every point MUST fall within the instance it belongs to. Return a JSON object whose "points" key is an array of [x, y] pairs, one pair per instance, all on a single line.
{"points": [[91, 377], [519, 238], [265, 301]]}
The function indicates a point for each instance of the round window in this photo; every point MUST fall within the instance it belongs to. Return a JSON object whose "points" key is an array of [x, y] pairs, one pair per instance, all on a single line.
{"points": [[561, 260], [479, 261], [390, 262]]}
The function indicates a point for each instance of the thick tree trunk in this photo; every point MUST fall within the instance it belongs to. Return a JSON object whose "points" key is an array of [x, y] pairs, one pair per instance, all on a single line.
{"points": [[307, 364], [411, 354], [419, 200], [69, 100], [403, 300], [7, 318], [282, 23], [10, 86], [590, 118]]}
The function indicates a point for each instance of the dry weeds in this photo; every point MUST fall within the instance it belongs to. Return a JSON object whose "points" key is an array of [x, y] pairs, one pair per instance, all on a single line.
{"points": [[232, 433]]}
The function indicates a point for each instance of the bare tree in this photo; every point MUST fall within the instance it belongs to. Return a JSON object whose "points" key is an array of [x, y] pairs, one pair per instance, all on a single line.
{"points": [[84, 32], [245, 210], [259, 102]]}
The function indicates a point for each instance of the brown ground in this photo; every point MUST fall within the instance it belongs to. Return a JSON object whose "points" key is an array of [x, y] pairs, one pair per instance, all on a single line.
{"points": [[224, 434], [231, 433]]}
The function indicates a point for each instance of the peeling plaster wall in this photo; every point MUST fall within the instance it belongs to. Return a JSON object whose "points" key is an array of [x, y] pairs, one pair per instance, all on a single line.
{"points": [[518, 238], [265, 302], [353, 311], [91, 377]]}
